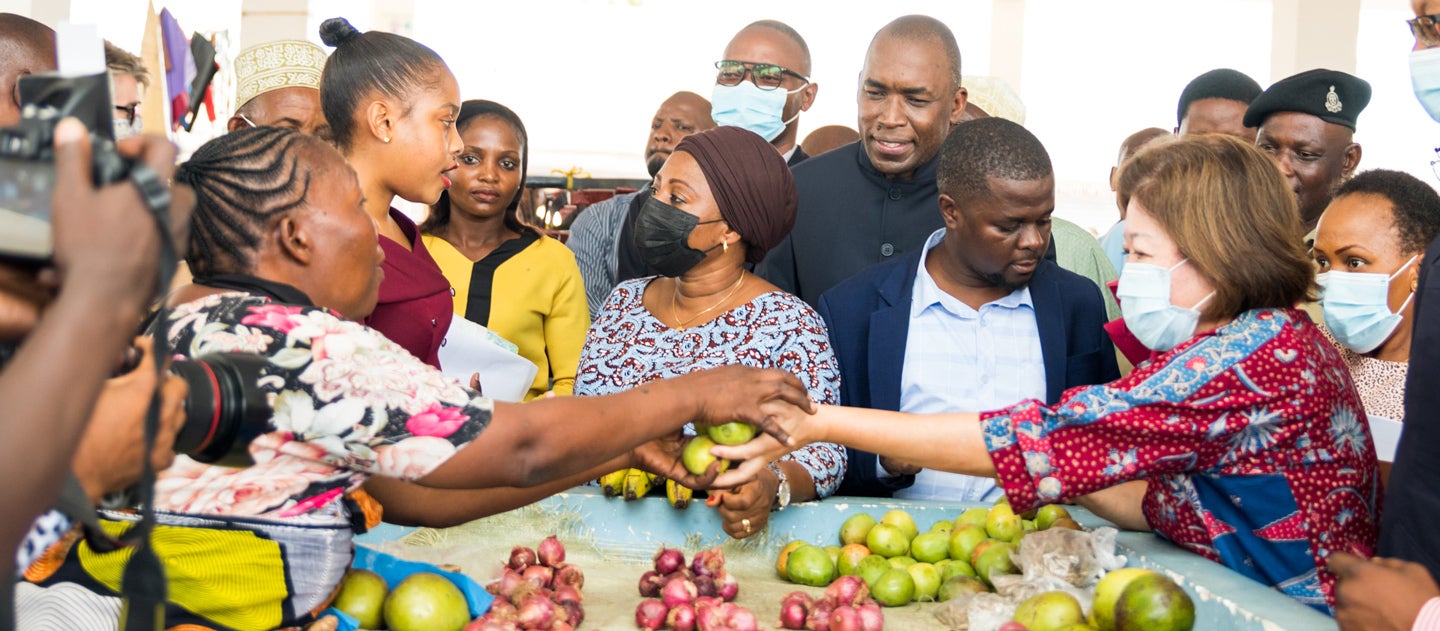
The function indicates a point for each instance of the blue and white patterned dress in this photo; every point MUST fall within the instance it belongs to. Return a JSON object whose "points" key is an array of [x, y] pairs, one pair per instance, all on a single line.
{"points": [[628, 346]]}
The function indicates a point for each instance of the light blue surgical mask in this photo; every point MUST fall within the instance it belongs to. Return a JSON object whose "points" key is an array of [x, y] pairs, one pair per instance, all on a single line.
{"points": [[1357, 307], [746, 106], [1425, 78], [1144, 294]]}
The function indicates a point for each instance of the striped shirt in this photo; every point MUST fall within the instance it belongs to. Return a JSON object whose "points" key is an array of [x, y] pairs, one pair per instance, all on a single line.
{"points": [[1429, 618], [594, 238]]}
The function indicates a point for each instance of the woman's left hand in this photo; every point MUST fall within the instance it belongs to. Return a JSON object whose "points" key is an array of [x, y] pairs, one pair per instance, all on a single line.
{"points": [[745, 510]]}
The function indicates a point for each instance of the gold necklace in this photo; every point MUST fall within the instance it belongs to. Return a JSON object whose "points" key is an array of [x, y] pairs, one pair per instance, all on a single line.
{"points": [[675, 313]]}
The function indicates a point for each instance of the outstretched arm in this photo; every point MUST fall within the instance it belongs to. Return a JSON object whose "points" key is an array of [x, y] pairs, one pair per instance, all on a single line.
{"points": [[943, 442], [542, 441]]}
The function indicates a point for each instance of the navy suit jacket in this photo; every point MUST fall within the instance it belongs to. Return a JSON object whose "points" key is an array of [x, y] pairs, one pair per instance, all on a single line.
{"points": [[869, 320]]}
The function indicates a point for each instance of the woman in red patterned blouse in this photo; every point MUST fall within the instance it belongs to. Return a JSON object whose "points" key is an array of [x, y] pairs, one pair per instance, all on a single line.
{"points": [[1249, 437]]}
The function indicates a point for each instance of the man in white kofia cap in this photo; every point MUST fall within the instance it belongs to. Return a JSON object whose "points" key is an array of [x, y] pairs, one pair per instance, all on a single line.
{"points": [[278, 84]]}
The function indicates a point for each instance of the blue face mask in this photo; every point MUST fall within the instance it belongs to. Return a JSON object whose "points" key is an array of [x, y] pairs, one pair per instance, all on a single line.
{"points": [[746, 106], [1357, 307], [1144, 294], [1425, 78]]}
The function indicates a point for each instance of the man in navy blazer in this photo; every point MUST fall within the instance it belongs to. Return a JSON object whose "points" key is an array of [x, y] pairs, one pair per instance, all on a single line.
{"points": [[988, 319]]}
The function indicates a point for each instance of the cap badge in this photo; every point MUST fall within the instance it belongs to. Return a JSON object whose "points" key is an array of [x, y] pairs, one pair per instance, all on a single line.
{"points": [[1332, 102]]}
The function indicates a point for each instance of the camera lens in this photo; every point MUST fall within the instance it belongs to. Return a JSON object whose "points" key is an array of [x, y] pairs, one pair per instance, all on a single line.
{"points": [[225, 409]]}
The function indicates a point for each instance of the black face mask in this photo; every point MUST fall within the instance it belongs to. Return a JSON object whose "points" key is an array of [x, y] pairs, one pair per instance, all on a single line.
{"points": [[662, 236]]}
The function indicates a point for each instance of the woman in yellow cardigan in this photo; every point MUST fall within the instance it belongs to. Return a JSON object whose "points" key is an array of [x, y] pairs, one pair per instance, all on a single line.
{"points": [[504, 275]]}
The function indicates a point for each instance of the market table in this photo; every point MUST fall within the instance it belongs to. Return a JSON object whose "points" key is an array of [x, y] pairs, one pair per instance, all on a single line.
{"points": [[613, 541]]}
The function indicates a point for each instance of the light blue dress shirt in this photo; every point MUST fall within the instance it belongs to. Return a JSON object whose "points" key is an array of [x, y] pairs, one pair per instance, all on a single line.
{"points": [[958, 359]]}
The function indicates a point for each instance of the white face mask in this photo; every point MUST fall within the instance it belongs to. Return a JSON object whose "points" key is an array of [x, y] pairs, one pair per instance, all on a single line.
{"points": [[1357, 307], [1144, 294]]}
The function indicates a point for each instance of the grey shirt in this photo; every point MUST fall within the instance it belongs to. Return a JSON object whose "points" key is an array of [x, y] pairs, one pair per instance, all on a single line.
{"points": [[594, 238]]}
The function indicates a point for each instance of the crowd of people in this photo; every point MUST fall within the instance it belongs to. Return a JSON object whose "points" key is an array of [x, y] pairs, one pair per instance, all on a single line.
{"points": [[908, 273]]}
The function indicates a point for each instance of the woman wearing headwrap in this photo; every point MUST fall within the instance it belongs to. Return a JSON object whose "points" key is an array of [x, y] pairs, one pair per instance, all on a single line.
{"points": [[723, 199]]}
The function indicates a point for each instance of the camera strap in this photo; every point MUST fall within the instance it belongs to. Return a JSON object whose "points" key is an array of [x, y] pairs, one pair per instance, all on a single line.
{"points": [[142, 586]]}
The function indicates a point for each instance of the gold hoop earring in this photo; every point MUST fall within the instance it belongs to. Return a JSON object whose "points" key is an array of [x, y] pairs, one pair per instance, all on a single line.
{"points": [[724, 247]]}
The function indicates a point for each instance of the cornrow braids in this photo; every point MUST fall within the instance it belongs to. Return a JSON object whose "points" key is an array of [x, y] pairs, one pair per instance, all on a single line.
{"points": [[243, 181]]}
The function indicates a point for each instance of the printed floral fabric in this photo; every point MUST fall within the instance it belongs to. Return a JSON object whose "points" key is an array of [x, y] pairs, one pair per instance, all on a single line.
{"points": [[627, 346], [1253, 441], [348, 403]]}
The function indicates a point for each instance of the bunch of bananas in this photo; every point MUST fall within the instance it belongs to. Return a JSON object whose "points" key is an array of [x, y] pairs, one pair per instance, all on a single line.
{"points": [[634, 484]]}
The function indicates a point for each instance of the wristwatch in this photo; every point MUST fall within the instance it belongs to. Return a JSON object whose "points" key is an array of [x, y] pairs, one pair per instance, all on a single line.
{"points": [[782, 492]]}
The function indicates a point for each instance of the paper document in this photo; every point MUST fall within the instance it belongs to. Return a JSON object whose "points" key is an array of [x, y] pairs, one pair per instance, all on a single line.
{"points": [[469, 348]]}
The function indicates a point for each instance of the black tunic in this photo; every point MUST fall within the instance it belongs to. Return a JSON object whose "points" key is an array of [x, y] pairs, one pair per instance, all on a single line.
{"points": [[850, 217]]}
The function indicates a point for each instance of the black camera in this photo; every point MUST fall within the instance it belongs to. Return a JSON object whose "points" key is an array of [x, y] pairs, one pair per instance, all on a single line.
{"points": [[225, 409], [27, 155]]}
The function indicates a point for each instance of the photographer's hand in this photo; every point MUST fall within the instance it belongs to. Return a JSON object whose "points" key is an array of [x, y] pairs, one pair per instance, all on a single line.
{"points": [[111, 450], [104, 269]]}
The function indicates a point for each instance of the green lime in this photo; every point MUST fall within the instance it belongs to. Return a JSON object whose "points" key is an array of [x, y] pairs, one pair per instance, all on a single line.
{"points": [[809, 565]]}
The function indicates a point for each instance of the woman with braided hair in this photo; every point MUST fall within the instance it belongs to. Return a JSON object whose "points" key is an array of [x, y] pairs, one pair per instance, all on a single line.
{"points": [[286, 261]]}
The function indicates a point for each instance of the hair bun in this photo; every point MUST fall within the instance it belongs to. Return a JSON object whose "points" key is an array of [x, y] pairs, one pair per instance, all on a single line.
{"points": [[337, 31]]}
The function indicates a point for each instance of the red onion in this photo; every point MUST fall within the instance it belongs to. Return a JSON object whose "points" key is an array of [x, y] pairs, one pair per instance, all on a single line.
{"points": [[567, 592], [566, 574], [845, 618], [502, 610], [521, 557], [538, 575], [551, 552], [801, 597], [506, 583], [871, 617], [650, 614], [650, 584], [669, 560], [708, 562], [792, 614], [819, 619], [847, 591], [726, 587], [536, 612], [708, 615], [708, 601], [706, 586], [681, 617], [486, 623], [574, 613], [678, 591], [741, 619]]}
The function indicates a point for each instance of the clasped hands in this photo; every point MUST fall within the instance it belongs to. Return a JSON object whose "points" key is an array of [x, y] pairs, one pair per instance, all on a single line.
{"points": [[775, 401]]}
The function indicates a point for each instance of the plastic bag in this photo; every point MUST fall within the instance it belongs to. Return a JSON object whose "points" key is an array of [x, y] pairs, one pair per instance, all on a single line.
{"points": [[1057, 559], [395, 569]]}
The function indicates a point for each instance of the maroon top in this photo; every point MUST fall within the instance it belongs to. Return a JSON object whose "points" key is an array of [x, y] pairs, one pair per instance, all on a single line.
{"points": [[415, 304]]}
